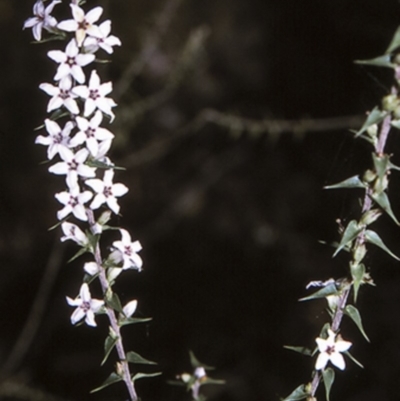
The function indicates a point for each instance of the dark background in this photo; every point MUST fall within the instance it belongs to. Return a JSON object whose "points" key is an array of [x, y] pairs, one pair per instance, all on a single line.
{"points": [[229, 216]]}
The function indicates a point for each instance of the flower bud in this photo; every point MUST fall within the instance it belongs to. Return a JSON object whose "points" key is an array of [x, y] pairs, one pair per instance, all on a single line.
{"points": [[381, 184], [359, 253], [369, 176], [372, 130], [369, 217], [390, 102]]}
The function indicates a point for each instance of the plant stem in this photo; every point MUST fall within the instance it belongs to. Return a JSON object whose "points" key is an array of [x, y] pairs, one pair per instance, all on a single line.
{"points": [[112, 317]]}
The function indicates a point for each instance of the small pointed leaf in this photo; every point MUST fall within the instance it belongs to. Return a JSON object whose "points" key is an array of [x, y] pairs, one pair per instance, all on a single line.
{"points": [[352, 182], [381, 61], [357, 273], [133, 357], [329, 377], [196, 363], [395, 43], [113, 378], [354, 314], [330, 289], [353, 359], [299, 393], [141, 375], [349, 235], [77, 254], [114, 302], [383, 201], [134, 320], [300, 350], [393, 166], [374, 117], [109, 344], [373, 238]]}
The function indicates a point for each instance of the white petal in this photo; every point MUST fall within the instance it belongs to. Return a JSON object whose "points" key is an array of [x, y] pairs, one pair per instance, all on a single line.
{"points": [[49, 89], [79, 212], [77, 13], [96, 184], [338, 360], [90, 318], [59, 168], [322, 360], [342, 346], [78, 315], [113, 204], [77, 73], [68, 25], [130, 308], [94, 14], [119, 189], [98, 200], [91, 268], [85, 293], [81, 91]]}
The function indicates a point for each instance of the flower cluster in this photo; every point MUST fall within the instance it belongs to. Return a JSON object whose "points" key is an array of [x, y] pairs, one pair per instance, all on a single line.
{"points": [[75, 138]]}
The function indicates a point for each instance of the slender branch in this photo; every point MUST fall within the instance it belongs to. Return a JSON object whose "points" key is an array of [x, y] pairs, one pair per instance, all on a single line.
{"points": [[112, 317]]}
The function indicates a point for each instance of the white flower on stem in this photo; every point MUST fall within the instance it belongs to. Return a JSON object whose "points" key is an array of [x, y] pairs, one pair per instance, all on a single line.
{"points": [[57, 139], [128, 251], [91, 132], [82, 24], [330, 350], [86, 307], [74, 202], [107, 192], [61, 95], [71, 62], [130, 308], [73, 166], [74, 233], [42, 19], [94, 96], [105, 40], [91, 268]]}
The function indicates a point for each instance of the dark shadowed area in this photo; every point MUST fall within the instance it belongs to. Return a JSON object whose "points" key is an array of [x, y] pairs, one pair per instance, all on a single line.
{"points": [[232, 115]]}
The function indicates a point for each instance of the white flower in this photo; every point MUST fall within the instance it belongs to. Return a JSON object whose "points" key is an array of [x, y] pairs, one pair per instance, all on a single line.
{"points": [[57, 138], [73, 166], [107, 192], [90, 132], [128, 251], [105, 41], [74, 202], [94, 96], [71, 62], [330, 350], [129, 308], [74, 233], [86, 307], [82, 24], [61, 95], [42, 18]]}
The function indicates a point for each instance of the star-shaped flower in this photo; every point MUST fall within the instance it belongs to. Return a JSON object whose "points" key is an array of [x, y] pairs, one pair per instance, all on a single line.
{"points": [[73, 165], [74, 202], [107, 192], [71, 62], [86, 307], [61, 95], [42, 18], [128, 251], [57, 139], [105, 41], [82, 24], [91, 132], [74, 233], [94, 96], [330, 350]]}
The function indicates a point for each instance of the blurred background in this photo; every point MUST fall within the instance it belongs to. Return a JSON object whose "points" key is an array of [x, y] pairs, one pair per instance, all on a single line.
{"points": [[232, 117]]}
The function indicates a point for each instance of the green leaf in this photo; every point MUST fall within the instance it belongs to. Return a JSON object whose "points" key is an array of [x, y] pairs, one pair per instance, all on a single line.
{"points": [[209, 380], [352, 182], [109, 344], [381, 61], [300, 350], [357, 273], [133, 357], [114, 302], [99, 164], [373, 238], [330, 289], [79, 253], [374, 117], [383, 201], [354, 314], [349, 235], [299, 393], [196, 363], [113, 378], [393, 166], [381, 164], [353, 359], [140, 375], [93, 239], [134, 320], [329, 377], [395, 43]]}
